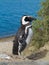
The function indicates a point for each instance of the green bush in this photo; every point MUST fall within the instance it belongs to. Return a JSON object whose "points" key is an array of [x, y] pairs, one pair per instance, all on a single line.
{"points": [[38, 38], [41, 26]]}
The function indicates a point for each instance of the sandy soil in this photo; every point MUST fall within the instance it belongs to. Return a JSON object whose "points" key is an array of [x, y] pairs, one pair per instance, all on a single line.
{"points": [[6, 45]]}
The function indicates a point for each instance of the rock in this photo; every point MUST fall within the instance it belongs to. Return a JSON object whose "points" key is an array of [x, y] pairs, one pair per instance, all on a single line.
{"points": [[4, 56], [25, 63]]}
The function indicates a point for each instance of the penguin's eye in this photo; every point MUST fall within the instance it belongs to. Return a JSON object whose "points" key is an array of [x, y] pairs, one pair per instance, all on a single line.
{"points": [[26, 19]]}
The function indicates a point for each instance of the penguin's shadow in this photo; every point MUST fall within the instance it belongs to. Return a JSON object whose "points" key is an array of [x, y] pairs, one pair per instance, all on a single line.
{"points": [[38, 55]]}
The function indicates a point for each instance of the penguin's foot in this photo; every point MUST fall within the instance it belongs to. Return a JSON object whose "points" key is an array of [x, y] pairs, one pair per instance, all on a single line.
{"points": [[19, 53]]}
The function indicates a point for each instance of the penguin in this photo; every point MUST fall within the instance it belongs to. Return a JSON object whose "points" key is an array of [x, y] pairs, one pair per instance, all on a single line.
{"points": [[23, 35]]}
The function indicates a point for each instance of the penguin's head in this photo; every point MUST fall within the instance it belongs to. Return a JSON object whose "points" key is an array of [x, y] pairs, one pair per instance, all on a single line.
{"points": [[27, 19]]}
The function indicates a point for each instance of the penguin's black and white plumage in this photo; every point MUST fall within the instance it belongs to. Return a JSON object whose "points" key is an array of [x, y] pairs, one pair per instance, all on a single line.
{"points": [[23, 36]]}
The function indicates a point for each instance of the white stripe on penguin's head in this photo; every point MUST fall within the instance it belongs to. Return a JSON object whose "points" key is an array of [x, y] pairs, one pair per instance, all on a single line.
{"points": [[23, 20]]}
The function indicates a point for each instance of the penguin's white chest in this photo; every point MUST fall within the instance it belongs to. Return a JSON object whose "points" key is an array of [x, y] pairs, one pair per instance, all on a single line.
{"points": [[29, 37]]}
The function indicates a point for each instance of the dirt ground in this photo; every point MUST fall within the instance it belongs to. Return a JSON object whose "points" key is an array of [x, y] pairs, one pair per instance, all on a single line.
{"points": [[6, 45]]}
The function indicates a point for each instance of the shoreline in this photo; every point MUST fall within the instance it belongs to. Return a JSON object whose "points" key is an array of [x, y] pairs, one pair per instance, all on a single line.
{"points": [[8, 38]]}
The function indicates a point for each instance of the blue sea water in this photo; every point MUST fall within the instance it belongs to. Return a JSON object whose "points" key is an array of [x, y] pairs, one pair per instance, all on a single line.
{"points": [[11, 12]]}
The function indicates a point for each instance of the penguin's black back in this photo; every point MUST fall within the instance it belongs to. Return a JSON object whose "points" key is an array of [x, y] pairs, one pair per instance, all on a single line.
{"points": [[20, 32]]}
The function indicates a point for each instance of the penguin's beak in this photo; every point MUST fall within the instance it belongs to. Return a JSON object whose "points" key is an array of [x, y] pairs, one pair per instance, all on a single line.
{"points": [[31, 19]]}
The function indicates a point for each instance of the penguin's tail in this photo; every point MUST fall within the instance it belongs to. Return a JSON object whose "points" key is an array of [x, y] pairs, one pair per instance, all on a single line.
{"points": [[15, 48]]}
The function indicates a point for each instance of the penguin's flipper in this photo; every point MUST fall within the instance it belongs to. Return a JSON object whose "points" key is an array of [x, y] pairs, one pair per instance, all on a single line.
{"points": [[22, 45]]}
